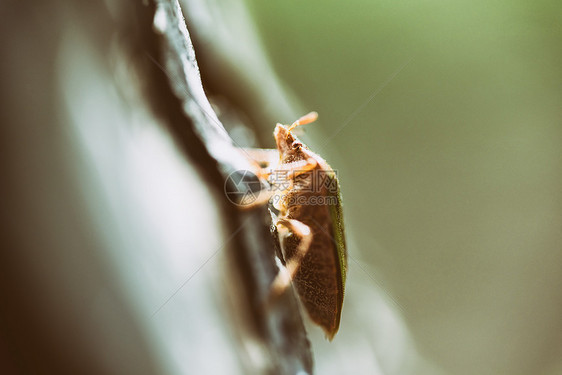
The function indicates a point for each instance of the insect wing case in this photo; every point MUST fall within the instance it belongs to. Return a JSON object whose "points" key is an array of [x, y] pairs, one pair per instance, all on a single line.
{"points": [[336, 214], [320, 280]]}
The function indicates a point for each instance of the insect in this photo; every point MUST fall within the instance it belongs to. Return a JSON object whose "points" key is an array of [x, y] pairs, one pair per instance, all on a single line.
{"points": [[308, 220]]}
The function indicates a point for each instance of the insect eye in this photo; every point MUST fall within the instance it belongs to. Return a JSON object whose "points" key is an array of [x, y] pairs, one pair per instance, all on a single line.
{"points": [[297, 145]]}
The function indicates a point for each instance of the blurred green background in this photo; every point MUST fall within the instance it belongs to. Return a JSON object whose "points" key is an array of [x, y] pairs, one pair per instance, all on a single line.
{"points": [[444, 122]]}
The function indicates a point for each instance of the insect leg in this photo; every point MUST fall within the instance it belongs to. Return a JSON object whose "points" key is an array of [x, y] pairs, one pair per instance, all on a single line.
{"points": [[264, 157], [286, 227], [263, 161], [262, 199], [299, 167], [288, 172]]}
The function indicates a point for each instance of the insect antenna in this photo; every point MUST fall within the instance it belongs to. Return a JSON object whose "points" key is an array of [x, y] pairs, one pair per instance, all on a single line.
{"points": [[306, 119]]}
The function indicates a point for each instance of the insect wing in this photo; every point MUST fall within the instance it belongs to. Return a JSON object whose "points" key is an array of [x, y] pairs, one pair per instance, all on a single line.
{"points": [[336, 214]]}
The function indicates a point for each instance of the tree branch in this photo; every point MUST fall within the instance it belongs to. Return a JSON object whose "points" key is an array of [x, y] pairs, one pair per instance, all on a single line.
{"points": [[176, 92]]}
